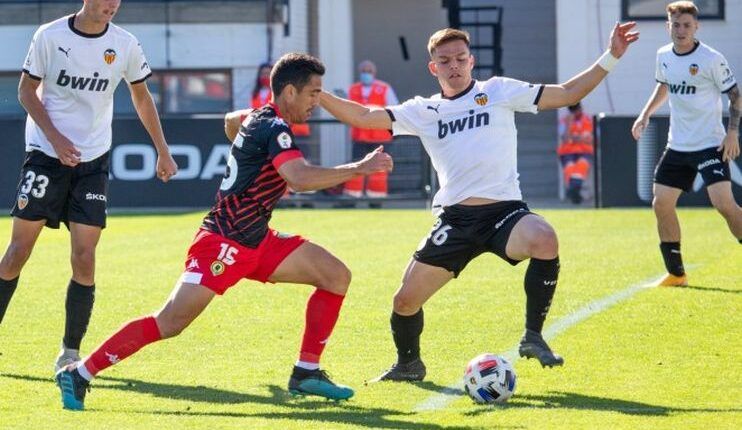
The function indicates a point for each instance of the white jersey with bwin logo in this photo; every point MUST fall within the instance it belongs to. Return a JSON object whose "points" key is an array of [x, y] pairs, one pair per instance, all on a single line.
{"points": [[471, 138], [695, 81], [79, 73]]}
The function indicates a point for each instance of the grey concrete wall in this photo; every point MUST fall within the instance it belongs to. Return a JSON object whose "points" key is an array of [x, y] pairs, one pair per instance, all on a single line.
{"points": [[377, 27]]}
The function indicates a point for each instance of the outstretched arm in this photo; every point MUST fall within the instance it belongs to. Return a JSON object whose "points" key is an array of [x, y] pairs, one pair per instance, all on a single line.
{"points": [[575, 89], [302, 176], [730, 144], [657, 99], [355, 114]]}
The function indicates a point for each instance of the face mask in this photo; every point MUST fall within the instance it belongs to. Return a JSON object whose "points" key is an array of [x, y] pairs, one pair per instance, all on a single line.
{"points": [[264, 81], [367, 78]]}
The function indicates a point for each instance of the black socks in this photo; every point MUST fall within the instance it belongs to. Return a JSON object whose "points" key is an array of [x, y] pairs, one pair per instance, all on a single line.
{"points": [[406, 331], [673, 259], [540, 283], [7, 288], [79, 307]]}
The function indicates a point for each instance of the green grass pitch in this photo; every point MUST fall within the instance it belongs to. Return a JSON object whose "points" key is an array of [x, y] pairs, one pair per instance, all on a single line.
{"points": [[661, 358]]}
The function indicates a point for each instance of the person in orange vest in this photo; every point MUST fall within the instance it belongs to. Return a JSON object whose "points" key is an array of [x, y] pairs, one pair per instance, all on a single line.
{"points": [[261, 96], [576, 150], [369, 91]]}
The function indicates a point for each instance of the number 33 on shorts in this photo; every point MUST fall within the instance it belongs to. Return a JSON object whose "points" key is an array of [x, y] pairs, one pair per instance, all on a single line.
{"points": [[34, 184]]}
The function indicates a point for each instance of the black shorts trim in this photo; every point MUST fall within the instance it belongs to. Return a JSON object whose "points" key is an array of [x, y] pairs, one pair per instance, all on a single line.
{"points": [[462, 233]]}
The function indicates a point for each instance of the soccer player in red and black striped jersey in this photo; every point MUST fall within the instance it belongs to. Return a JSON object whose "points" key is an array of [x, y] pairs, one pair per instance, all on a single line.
{"points": [[235, 241]]}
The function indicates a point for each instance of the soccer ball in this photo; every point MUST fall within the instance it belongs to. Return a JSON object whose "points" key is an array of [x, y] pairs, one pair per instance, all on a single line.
{"points": [[489, 378]]}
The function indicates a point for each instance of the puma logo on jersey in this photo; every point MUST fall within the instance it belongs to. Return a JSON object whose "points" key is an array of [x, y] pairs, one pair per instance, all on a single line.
{"points": [[82, 83], [435, 108], [461, 124], [66, 51], [683, 88]]}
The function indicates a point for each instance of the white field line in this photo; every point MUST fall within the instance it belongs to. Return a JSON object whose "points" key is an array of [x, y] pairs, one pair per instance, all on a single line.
{"points": [[453, 391]]}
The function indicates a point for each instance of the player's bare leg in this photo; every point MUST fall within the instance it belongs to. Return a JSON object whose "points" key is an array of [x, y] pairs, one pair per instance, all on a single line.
{"points": [[184, 305], [664, 205], [722, 198], [419, 283], [311, 264], [22, 239], [533, 238], [80, 291]]}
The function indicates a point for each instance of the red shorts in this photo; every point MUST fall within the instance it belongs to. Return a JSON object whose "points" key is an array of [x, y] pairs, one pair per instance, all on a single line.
{"points": [[218, 263]]}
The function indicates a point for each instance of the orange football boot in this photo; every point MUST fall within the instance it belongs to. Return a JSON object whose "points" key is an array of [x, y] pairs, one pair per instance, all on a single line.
{"points": [[671, 280]]}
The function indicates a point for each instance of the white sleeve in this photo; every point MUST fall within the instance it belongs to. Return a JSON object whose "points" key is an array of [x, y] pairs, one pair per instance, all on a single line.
{"points": [[405, 117], [722, 74], [137, 67], [35, 64], [518, 95], [659, 73]]}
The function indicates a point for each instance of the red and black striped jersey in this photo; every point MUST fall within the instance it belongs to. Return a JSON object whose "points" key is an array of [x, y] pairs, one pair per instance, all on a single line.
{"points": [[252, 186]]}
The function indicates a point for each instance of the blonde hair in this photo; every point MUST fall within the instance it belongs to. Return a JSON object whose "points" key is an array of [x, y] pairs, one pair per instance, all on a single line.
{"points": [[446, 35], [681, 7]]}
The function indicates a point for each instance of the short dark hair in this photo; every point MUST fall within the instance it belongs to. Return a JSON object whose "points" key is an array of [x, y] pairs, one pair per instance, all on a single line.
{"points": [[295, 69]]}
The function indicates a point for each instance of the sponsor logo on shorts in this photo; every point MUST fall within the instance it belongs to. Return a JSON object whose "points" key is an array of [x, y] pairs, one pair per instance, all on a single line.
{"points": [[508, 216], [719, 172], [22, 201], [93, 196], [707, 163], [217, 268]]}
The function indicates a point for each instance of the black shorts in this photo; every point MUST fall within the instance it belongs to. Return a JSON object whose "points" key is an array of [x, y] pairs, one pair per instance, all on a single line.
{"points": [[678, 169], [54, 192], [461, 233]]}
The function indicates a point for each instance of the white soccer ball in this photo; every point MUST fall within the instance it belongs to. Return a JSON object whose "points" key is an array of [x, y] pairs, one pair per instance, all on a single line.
{"points": [[489, 378]]}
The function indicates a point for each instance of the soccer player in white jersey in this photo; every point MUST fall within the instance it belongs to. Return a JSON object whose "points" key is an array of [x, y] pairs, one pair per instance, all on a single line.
{"points": [[693, 76], [469, 132], [72, 69]]}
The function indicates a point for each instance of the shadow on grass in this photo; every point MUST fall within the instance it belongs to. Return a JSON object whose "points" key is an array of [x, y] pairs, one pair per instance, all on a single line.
{"points": [[562, 400], [710, 289], [302, 408]]}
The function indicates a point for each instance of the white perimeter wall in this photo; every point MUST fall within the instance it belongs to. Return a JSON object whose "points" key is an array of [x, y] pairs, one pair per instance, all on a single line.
{"points": [[583, 27]]}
